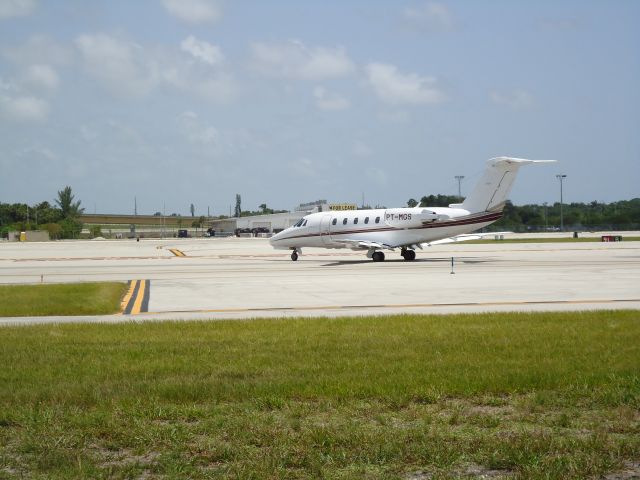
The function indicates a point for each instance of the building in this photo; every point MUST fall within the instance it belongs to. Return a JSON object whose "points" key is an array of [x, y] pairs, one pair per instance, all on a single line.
{"points": [[155, 226]]}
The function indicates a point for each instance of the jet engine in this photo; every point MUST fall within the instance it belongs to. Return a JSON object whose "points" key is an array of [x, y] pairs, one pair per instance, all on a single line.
{"points": [[411, 217]]}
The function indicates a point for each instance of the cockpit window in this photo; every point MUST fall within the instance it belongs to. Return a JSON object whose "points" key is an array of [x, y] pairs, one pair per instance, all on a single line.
{"points": [[304, 224], [299, 223]]}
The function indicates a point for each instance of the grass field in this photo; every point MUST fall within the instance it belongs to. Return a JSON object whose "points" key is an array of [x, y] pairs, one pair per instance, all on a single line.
{"points": [[61, 299], [545, 395], [549, 240]]}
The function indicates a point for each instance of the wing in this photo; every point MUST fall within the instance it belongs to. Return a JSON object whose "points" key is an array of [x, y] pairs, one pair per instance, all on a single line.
{"points": [[363, 244], [465, 237]]}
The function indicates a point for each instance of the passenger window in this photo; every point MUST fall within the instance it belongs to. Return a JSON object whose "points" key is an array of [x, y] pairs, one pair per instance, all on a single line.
{"points": [[377, 219], [335, 220], [366, 220], [355, 221], [344, 221]]}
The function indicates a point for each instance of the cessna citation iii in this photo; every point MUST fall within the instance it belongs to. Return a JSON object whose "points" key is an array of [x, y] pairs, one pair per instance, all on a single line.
{"points": [[407, 228]]}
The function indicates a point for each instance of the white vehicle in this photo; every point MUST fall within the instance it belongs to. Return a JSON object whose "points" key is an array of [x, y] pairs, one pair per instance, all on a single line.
{"points": [[407, 228]]}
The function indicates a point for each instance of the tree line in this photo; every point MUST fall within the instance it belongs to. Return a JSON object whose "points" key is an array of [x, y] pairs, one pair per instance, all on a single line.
{"points": [[621, 215], [61, 220]]}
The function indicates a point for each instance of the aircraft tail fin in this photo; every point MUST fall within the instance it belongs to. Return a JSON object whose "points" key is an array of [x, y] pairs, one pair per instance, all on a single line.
{"points": [[490, 193]]}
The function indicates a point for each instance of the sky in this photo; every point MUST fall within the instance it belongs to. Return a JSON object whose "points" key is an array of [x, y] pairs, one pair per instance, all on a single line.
{"points": [[168, 103]]}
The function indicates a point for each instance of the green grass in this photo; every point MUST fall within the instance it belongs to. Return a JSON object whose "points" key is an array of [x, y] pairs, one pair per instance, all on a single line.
{"points": [[546, 395], [61, 299], [550, 240]]}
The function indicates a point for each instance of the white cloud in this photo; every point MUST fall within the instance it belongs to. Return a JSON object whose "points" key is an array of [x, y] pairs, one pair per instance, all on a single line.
{"points": [[119, 65], [396, 88], [361, 149], [42, 76], [303, 167], [214, 86], [24, 109], [329, 101], [6, 86], [88, 134], [196, 132], [517, 99], [16, 8], [295, 60], [210, 141], [430, 17], [377, 176], [42, 152], [397, 117], [38, 49], [194, 11], [203, 51], [128, 69]]}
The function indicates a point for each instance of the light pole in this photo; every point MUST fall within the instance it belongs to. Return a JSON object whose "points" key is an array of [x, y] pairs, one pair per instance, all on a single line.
{"points": [[561, 177], [546, 225], [459, 178]]}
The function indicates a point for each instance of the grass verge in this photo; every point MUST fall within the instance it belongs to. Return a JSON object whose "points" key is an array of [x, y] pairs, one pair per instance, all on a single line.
{"points": [[549, 240], [540, 395], [61, 299]]}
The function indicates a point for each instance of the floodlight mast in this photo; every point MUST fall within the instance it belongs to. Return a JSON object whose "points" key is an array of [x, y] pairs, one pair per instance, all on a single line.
{"points": [[459, 178], [561, 177]]}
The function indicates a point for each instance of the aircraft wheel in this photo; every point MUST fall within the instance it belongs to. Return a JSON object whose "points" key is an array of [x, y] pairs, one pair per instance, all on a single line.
{"points": [[294, 256], [409, 255], [378, 257]]}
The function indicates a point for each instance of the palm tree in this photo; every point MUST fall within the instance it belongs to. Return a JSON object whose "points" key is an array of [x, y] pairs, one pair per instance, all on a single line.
{"points": [[69, 208]]}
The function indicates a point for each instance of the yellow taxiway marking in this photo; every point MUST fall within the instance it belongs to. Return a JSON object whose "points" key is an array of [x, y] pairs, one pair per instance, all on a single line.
{"points": [[137, 304], [177, 253], [405, 305], [128, 295], [137, 298]]}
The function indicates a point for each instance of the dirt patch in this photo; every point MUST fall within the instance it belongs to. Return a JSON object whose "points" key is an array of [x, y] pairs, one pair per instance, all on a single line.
{"points": [[631, 470], [124, 457], [468, 470]]}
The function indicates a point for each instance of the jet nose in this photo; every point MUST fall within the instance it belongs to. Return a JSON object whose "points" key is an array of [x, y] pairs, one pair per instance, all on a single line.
{"points": [[273, 238]]}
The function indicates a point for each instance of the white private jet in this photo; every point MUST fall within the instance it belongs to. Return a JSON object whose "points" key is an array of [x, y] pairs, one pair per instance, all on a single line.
{"points": [[407, 228]]}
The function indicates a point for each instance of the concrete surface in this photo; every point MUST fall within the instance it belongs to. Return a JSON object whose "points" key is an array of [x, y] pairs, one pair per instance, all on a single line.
{"points": [[244, 278]]}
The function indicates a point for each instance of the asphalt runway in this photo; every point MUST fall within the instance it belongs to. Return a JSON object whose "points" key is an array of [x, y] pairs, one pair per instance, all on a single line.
{"points": [[240, 278]]}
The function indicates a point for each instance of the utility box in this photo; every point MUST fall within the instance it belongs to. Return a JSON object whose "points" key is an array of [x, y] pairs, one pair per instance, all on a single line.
{"points": [[33, 236]]}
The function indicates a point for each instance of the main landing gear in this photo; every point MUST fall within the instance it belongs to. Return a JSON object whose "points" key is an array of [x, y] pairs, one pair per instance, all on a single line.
{"points": [[377, 256], [408, 254], [294, 255]]}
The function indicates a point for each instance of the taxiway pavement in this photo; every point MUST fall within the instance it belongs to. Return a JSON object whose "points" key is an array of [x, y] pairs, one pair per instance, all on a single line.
{"points": [[244, 277]]}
